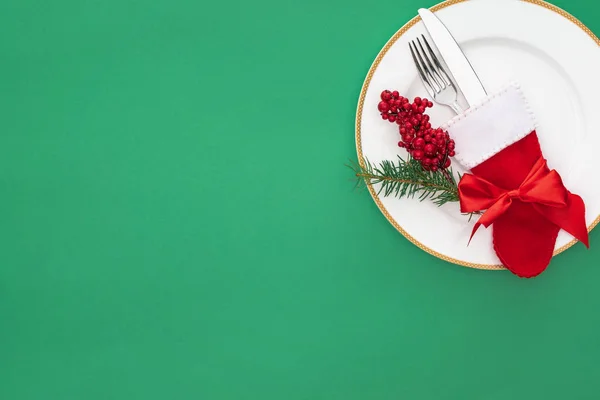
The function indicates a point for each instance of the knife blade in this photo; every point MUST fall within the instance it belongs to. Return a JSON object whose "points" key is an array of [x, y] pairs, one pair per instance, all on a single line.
{"points": [[464, 75]]}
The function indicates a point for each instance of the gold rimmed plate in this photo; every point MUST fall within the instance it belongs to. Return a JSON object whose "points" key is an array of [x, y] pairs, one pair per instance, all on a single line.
{"points": [[550, 53]]}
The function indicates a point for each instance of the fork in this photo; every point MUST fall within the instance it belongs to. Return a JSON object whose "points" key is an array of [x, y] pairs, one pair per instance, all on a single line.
{"points": [[434, 77]]}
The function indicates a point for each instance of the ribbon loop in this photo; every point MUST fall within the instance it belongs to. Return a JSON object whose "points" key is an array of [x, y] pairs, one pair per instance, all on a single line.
{"points": [[542, 188]]}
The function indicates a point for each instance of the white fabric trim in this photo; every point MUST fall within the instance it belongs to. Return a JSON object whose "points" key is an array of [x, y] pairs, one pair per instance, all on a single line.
{"points": [[497, 122]]}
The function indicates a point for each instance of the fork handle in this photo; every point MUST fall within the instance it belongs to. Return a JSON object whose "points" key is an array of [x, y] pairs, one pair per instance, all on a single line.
{"points": [[456, 107]]}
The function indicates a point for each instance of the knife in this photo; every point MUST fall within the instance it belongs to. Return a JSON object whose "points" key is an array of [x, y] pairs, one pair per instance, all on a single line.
{"points": [[460, 68]]}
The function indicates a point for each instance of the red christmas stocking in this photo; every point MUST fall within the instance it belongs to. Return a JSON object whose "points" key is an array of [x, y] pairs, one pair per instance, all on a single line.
{"points": [[524, 201]]}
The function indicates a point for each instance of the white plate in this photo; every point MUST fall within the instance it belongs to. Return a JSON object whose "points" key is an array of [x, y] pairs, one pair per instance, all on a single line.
{"points": [[556, 60]]}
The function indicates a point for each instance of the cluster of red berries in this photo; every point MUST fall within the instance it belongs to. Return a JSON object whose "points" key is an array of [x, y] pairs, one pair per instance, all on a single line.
{"points": [[431, 147]]}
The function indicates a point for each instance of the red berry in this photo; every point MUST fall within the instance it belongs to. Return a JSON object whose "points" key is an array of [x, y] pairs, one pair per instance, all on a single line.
{"points": [[451, 153], [429, 149], [386, 95], [427, 161], [401, 144], [393, 108], [451, 145], [392, 118], [395, 94], [414, 121], [383, 106], [430, 104], [417, 100], [417, 154], [434, 168], [398, 120], [402, 131], [421, 109], [414, 108], [420, 134], [427, 125], [447, 163], [384, 115], [408, 125], [419, 143], [419, 117], [433, 142], [428, 138]]}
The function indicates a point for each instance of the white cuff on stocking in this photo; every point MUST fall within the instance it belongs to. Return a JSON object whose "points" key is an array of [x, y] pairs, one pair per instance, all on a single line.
{"points": [[487, 128]]}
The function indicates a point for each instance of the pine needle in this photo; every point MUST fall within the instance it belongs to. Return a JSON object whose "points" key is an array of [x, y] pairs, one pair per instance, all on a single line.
{"points": [[407, 178]]}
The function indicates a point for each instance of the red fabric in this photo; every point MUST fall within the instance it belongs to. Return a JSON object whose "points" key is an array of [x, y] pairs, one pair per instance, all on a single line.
{"points": [[527, 204]]}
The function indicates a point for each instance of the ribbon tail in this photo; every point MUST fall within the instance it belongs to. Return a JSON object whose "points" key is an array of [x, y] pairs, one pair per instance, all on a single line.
{"points": [[493, 213], [571, 218], [477, 225]]}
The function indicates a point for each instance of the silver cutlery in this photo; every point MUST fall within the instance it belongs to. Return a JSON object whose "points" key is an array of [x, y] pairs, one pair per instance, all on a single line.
{"points": [[458, 66], [436, 80]]}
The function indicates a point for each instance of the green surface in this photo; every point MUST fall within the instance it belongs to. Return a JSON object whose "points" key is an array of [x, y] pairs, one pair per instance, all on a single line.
{"points": [[177, 221]]}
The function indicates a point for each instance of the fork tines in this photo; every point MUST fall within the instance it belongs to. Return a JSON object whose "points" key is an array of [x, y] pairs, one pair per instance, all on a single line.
{"points": [[430, 69]]}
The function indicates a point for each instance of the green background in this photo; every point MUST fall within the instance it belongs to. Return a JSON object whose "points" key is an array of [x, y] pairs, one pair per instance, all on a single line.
{"points": [[177, 221]]}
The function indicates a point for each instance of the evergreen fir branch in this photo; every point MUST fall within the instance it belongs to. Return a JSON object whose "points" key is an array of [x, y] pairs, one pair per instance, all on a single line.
{"points": [[407, 178]]}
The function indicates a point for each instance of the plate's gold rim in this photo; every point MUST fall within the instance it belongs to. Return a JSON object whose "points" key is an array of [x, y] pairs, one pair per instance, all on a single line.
{"points": [[361, 100]]}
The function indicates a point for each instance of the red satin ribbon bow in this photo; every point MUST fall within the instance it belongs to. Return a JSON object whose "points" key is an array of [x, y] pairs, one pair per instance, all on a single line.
{"points": [[542, 188]]}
